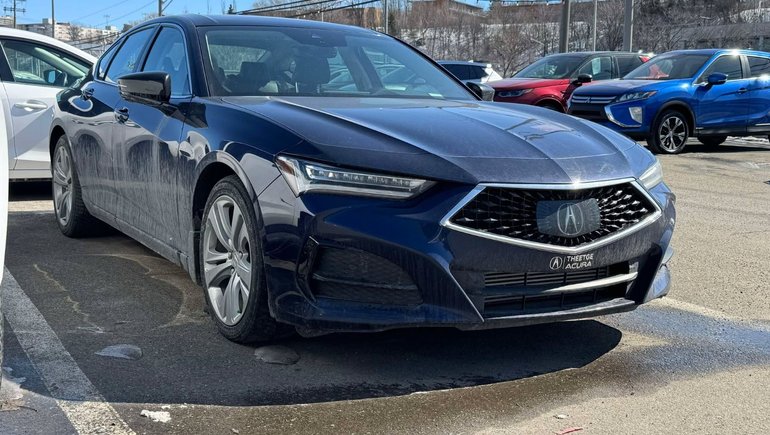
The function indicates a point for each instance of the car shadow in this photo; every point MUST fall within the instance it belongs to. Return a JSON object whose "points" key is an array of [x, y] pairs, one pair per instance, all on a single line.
{"points": [[30, 191], [111, 290]]}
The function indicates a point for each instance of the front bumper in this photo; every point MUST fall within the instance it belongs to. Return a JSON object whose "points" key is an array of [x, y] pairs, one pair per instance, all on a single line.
{"points": [[437, 273], [617, 117]]}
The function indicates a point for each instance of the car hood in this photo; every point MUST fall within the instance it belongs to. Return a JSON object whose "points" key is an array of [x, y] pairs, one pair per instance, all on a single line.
{"points": [[462, 141], [524, 83], [619, 87]]}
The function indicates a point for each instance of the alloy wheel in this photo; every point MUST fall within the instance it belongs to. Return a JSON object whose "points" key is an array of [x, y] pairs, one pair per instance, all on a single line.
{"points": [[227, 260], [62, 185], [672, 133]]}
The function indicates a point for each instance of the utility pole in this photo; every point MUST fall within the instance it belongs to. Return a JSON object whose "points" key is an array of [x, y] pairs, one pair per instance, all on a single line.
{"points": [[14, 9], [387, 17], [53, 19], [628, 26], [160, 8], [593, 29], [564, 29]]}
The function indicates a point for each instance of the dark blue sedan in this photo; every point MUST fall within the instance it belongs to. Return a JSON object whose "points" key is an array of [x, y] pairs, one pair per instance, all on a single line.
{"points": [[708, 94], [219, 143]]}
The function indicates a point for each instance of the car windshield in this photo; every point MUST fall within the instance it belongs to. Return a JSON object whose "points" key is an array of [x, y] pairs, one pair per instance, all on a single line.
{"points": [[552, 67], [286, 61], [671, 67]]}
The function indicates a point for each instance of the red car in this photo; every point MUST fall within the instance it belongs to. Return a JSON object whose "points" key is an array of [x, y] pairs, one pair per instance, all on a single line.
{"points": [[549, 82]]}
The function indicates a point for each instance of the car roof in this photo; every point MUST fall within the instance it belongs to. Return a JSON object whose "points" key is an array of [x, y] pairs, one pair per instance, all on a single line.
{"points": [[195, 20], [594, 53], [713, 51], [463, 62], [32, 36]]}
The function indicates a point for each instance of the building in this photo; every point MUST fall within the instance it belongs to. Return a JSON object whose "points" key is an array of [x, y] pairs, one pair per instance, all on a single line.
{"points": [[73, 33], [453, 8]]}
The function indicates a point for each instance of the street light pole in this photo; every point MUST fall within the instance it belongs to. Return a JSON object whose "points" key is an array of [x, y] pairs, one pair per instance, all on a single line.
{"points": [[628, 26], [387, 17], [160, 8], [53, 19], [564, 29], [593, 29]]}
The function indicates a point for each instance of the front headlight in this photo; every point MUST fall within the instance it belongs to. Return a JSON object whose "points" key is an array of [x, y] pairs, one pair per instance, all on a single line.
{"points": [[304, 176], [652, 176], [636, 96], [514, 93]]}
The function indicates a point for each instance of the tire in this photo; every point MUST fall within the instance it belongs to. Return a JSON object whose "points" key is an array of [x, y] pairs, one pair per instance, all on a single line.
{"points": [[72, 216], [659, 139], [712, 141], [552, 106], [231, 255]]}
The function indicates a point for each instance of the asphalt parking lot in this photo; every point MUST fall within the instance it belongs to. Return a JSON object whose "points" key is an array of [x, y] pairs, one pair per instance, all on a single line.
{"points": [[697, 361]]}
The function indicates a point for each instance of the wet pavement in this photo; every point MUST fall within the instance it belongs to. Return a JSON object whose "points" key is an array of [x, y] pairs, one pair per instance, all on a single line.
{"points": [[697, 361]]}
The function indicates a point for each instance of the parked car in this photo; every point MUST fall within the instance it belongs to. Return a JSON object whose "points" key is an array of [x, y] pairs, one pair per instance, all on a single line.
{"points": [[3, 225], [33, 69], [708, 94], [471, 71], [357, 210], [549, 82]]}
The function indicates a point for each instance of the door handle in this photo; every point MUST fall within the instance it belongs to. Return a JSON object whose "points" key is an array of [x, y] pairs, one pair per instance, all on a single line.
{"points": [[86, 94], [32, 105], [121, 115], [742, 90]]}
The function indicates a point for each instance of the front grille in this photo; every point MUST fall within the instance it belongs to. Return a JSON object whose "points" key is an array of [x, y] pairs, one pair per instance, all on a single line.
{"points": [[359, 276], [588, 112], [587, 99], [512, 212], [505, 279], [530, 304]]}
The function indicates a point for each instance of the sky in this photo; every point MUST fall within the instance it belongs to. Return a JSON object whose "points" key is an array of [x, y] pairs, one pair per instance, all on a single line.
{"points": [[92, 12]]}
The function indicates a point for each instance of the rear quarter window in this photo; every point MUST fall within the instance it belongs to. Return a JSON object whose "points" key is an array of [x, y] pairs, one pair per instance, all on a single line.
{"points": [[626, 64], [759, 66]]}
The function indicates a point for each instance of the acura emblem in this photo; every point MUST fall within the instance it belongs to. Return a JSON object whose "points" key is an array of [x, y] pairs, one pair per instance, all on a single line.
{"points": [[569, 219], [556, 263]]}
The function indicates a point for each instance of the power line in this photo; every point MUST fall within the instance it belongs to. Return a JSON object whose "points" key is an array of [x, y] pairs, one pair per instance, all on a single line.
{"points": [[100, 10], [134, 11]]}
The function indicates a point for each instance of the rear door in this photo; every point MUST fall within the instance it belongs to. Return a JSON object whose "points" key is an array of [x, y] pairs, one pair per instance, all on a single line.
{"points": [[37, 73], [626, 64], [759, 94], [147, 147], [723, 109]]}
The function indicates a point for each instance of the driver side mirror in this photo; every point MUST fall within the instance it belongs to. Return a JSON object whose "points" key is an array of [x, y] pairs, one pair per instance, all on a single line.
{"points": [[146, 87], [485, 92], [582, 79], [716, 78]]}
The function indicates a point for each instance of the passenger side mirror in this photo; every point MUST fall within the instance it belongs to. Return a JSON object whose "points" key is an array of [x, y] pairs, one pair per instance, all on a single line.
{"points": [[485, 92], [146, 87], [54, 77], [582, 79], [716, 78]]}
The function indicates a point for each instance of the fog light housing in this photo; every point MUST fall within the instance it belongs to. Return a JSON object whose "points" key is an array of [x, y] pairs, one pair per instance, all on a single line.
{"points": [[636, 113]]}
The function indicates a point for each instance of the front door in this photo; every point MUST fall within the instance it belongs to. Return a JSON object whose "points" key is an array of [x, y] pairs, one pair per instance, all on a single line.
{"points": [[722, 109], [39, 72]]}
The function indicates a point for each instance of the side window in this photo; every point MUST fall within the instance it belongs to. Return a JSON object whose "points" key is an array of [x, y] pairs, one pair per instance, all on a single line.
{"points": [[127, 57], [477, 72], [168, 55], [104, 61], [626, 64], [759, 66], [600, 68], [459, 71], [729, 65], [42, 65]]}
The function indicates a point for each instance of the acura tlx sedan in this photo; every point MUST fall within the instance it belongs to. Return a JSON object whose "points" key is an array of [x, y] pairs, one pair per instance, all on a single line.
{"points": [[218, 143]]}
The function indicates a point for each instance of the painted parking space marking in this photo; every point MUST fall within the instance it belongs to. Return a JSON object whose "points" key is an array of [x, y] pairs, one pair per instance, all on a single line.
{"points": [[74, 393]]}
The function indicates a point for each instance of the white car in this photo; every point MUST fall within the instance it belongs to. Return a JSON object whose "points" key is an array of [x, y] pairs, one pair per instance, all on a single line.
{"points": [[3, 224], [466, 71], [33, 69]]}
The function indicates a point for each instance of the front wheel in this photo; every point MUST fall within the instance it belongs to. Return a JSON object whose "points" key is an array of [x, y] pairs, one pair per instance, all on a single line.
{"points": [[669, 133], [231, 266]]}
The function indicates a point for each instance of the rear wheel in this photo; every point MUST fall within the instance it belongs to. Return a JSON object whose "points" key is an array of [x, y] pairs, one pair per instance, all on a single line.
{"points": [[231, 266], [712, 141], [669, 133], [71, 214]]}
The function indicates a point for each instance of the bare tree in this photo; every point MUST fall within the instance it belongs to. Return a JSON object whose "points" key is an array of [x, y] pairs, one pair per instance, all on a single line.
{"points": [[74, 32]]}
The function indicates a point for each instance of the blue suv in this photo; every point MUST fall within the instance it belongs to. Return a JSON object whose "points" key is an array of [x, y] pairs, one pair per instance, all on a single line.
{"points": [[708, 94]]}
